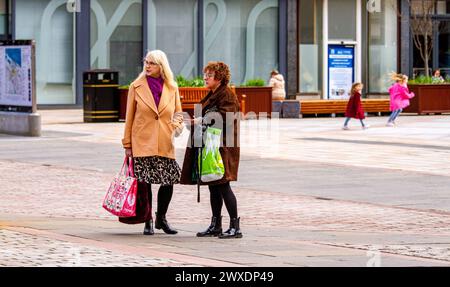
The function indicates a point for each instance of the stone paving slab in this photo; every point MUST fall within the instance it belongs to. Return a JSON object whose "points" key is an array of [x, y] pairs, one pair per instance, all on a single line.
{"points": [[53, 186], [76, 194], [24, 250]]}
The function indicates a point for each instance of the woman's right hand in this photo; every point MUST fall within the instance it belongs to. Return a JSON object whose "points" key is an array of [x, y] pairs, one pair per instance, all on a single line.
{"points": [[128, 152]]}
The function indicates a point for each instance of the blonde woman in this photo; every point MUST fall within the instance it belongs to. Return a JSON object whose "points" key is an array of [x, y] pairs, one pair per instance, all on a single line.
{"points": [[153, 116]]}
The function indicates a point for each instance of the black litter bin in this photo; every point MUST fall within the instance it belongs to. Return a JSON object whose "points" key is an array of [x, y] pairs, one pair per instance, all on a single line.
{"points": [[100, 96]]}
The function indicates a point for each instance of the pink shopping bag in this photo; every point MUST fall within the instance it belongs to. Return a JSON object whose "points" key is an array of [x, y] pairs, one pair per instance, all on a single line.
{"points": [[120, 199]]}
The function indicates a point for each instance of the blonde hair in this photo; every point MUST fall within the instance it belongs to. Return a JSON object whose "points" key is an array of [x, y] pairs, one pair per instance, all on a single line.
{"points": [[353, 89], [160, 58], [398, 77]]}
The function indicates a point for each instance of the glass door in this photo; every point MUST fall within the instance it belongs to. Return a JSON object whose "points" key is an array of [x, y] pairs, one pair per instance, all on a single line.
{"points": [[310, 38], [342, 49]]}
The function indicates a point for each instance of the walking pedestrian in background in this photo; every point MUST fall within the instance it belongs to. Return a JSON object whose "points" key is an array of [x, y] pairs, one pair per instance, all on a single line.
{"points": [[354, 106]]}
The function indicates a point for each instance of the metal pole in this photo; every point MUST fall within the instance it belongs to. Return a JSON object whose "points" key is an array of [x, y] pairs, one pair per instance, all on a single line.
{"points": [[200, 37]]}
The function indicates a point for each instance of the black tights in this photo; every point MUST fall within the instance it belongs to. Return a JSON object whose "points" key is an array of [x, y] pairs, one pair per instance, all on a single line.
{"points": [[164, 196], [218, 195]]}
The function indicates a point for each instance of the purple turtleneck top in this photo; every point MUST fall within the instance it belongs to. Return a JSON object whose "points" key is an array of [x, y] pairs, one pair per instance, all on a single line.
{"points": [[156, 86]]}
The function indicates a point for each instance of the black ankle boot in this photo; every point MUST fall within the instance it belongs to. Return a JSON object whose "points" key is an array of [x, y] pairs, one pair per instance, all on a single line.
{"points": [[215, 229], [148, 229], [234, 231], [161, 223]]}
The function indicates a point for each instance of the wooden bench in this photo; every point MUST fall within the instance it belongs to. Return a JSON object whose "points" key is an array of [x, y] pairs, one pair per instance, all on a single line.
{"points": [[191, 96], [310, 107]]}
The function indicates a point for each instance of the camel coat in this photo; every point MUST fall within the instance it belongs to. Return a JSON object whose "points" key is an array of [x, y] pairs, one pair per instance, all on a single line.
{"points": [[149, 130]]}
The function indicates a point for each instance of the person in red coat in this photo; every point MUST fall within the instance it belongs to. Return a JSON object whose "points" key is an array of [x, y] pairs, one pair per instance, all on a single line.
{"points": [[354, 107]]}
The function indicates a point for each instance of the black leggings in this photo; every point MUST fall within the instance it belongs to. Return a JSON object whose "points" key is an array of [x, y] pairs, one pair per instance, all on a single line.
{"points": [[218, 195], [164, 197]]}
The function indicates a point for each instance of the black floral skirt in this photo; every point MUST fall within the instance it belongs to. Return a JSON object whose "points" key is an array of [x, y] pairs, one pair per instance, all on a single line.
{"points": [[157, 170]]}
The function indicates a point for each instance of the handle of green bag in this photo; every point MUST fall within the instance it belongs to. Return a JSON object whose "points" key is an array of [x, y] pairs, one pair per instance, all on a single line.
{"points": [[199, 174]]}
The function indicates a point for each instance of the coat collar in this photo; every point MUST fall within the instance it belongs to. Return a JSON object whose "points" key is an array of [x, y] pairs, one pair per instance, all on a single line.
{"points": [[144, 92], [213, 98]]}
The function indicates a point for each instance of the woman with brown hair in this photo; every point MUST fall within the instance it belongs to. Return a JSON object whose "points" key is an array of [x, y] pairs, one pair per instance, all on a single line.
{"points": [[220, 109]]}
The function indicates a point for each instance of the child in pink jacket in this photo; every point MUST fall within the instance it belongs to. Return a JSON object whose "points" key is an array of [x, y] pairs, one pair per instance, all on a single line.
{"points": [[400, 96]]}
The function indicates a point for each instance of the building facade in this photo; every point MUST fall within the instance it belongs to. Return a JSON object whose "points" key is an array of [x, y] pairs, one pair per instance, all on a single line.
{"points": [[318, 45]]}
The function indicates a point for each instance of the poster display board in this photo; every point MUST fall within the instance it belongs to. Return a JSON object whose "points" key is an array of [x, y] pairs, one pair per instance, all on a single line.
{"points": [[341, 71], [16, 76]]}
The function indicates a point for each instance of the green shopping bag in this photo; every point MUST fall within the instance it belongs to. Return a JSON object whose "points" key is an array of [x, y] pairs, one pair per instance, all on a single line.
{"points": [[210, 160]]}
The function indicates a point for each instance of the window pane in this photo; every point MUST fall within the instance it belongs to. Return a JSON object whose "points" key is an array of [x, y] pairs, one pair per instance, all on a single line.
{"points": [[422, 7], [243, 34], [310, 19], [174, 27], [52, 28], [342, 19], [3, 17], [444, 48], [382, 46], [116, 37], [442, 7]]}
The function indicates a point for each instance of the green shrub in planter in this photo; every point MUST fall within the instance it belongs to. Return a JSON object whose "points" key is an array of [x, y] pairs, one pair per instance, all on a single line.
{"points": [[195, 82], [257, 82], [181, 81], [422, 80]]}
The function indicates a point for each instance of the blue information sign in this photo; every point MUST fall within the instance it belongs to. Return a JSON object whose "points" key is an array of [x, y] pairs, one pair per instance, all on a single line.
{"points": [[341, 73]]}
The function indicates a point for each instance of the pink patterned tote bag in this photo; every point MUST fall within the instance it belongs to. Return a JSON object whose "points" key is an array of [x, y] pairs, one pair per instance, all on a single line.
{"points": [[120, 199]]}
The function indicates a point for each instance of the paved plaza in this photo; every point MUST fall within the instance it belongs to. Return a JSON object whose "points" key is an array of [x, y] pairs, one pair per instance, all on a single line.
{"points": [[309, 194]]}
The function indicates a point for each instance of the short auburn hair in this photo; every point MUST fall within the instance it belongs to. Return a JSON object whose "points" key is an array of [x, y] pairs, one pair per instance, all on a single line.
{"points": [[221, 71]]}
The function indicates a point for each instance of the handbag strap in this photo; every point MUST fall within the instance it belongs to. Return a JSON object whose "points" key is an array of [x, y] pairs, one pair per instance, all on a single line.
{"points": [[130, 171], [128, 167], [124, 167]]}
